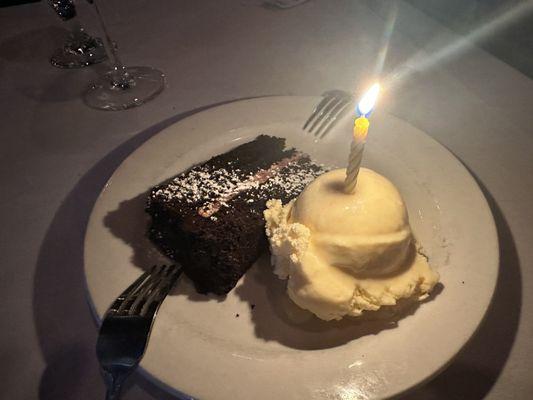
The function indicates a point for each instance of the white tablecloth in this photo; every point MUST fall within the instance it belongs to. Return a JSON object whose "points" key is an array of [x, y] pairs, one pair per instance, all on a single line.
{"points": [[56, 154]]}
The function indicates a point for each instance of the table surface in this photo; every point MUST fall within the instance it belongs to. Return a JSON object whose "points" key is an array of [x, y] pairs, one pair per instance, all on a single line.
{"points": [[56, 154]]}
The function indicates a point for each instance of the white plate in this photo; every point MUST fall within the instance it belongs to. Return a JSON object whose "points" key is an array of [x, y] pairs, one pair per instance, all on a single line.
{"points": [[198, 344]]}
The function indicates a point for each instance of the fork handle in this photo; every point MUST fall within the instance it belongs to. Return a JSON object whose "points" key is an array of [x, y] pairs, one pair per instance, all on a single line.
{"points": [[113, 393], [114, 386]]}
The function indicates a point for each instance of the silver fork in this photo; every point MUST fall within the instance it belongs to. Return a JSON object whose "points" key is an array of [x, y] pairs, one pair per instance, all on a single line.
{"points": [[327, 111], [127, 324]]}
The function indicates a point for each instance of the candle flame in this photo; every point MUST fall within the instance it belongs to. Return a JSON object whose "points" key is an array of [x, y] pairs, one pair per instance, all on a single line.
{"points": [[367, 102]]}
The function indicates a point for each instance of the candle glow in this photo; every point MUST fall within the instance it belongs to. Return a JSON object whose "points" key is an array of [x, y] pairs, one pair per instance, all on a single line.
{"points": [[360, 131], [368, 101]]}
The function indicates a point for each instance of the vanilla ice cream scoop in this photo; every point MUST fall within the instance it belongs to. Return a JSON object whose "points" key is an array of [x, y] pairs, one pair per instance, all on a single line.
{"points": [[345, 253], [366, 232]]}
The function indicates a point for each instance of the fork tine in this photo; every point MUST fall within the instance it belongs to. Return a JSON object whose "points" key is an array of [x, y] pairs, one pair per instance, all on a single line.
{"points": [[329, 121], [324, 115], [131, 289], [145, 291], [324, 112], [153, 301], [318, 109], [132, 295]]}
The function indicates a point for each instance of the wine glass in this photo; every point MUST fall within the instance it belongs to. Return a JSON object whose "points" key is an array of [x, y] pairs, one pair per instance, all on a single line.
{"points": [[122, 87], [80, 49]]}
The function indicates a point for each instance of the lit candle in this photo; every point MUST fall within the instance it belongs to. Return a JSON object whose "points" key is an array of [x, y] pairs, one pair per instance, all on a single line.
{"points": [[360, 130]]}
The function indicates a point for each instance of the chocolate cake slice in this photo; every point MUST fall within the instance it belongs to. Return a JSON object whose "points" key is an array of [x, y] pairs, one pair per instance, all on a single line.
{"points": [[210, 218]]}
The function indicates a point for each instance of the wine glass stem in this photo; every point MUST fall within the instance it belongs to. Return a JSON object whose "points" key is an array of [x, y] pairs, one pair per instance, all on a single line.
{"points": [[120, 75]]}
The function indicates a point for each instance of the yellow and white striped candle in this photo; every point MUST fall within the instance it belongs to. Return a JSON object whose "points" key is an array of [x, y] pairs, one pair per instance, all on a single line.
{"points": [[360, 132]]}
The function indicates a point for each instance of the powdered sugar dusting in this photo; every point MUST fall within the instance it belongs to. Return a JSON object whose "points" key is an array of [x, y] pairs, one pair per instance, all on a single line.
{"points": [[214, 189], [200, 184], [253, 181]]}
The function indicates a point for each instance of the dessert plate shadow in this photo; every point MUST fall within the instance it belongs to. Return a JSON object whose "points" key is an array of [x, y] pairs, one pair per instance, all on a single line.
{"points": [[255, 343]]}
